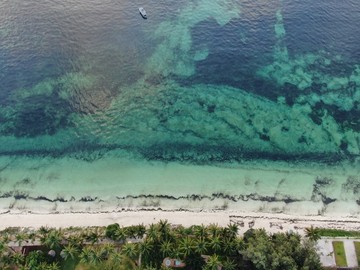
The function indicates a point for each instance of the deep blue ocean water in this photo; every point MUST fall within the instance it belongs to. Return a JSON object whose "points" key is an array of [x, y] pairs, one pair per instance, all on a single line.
{"points": [[195, 81]]}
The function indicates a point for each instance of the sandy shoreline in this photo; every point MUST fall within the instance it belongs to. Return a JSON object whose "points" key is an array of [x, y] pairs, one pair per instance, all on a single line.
{"points": [[270, 222], [274, 195]]}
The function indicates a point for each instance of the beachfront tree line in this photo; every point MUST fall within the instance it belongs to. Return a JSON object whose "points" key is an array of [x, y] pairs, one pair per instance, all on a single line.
{"points": [[137, 247]]}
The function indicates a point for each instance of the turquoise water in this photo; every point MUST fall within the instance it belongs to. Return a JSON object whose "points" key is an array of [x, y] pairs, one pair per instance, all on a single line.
{"points": [[234, 102]]}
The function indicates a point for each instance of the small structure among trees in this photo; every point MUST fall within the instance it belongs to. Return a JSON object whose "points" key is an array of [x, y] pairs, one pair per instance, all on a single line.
{"points": [[173, 263]]}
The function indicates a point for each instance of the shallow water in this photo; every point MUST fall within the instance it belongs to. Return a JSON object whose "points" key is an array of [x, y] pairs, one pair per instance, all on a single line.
{"points": [[233, 102]]}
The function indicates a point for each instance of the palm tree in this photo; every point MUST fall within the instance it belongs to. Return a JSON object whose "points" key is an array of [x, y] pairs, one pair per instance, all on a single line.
{"points": [[120, 234], [5, 238], [70, 252], [75, 240], [34, 259], [216, 244], [17, 259], [145, 250], [201, 231], [214, 230], [42, 266], [53, 266], [52, 240], [115, 258], [179, 231], [2, 247], [232, 229], [166, 248], [229, 264], [230, 247], [20, 238], [164, 229], [107, 249], [6, 262], [96, 256], [201, 246], [213, 263], [140, 231], [86, 255], [186, 246], [129, 250], [44, 230], [32, 237], [93, 237], [153, 233], [312, 233]]}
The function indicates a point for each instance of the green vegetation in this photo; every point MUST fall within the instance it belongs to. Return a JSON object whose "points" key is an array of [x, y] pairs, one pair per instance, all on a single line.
{"points": [[144, 248], [339, 251], [357, 250], [313, 234], [337, 233]]}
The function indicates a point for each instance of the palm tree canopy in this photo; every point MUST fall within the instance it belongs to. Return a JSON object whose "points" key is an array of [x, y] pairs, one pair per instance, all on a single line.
{"points": [[129, 250], [215, 243], [201, 231], [146, 247], [166, 248], [312, 233], [69, 252], [201, 246], [213, 262], [52, 239], [186, 246], [233, 230]]}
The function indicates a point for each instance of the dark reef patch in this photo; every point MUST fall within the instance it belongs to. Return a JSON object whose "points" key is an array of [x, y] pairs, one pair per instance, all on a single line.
{"points": [[38, 115], [346, 119], [202, 154], [317, 113], [181, 152], [264, 137], [319, 190], [352, 185]]}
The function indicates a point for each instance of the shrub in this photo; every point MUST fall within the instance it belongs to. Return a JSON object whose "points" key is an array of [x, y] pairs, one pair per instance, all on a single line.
{"points": [[110, 231]]}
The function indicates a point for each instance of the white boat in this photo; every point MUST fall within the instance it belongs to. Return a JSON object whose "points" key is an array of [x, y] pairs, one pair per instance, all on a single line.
{"points": [[142, 12]]}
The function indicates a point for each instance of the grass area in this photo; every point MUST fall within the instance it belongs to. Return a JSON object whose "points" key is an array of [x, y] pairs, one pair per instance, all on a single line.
{"points": [[357, 250], [339, 252], [338, 233]]}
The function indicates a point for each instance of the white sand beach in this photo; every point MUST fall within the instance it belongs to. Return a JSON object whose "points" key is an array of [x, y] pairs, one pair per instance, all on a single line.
{"points": [[270, 222]]}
